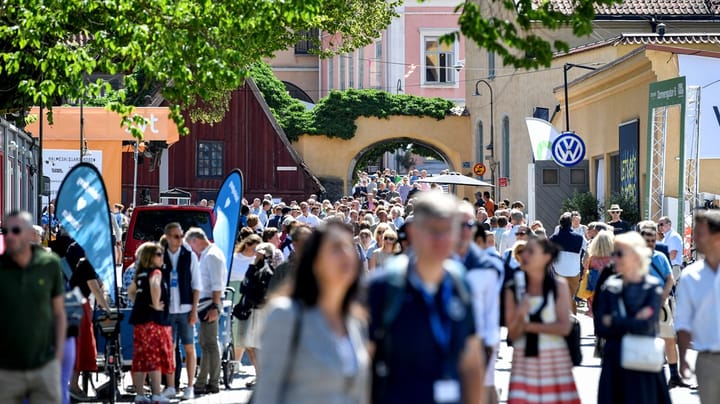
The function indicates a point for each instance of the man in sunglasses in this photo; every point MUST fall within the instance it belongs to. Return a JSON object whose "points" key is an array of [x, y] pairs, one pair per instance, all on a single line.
{"points": [[182, 274], [34, 323]]}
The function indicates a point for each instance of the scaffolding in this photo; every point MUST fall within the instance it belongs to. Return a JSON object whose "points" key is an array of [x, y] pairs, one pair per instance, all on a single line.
{"points": [[657, 163], [691, 197]]}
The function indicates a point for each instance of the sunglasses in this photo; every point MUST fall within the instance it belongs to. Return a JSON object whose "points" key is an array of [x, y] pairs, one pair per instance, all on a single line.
{"points": [[469, 224], [618, 254], [176, 236], [390, 239], [522, 233], [159, 254], [16, 230]]}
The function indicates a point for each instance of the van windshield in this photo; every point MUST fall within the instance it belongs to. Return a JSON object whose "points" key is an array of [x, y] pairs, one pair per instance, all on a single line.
{"points": [[150, 224]]}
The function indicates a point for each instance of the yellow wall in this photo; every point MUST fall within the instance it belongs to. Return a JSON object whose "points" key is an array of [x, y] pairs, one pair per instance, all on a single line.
{"points": [[334, 157]]}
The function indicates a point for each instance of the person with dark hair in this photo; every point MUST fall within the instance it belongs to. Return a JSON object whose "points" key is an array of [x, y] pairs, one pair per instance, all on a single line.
{"points": [[297, 366], [698, 300], [536, 315], [568, 265]]}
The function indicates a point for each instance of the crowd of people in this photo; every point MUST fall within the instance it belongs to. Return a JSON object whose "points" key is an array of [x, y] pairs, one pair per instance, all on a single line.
{"points": [[397, 293]]}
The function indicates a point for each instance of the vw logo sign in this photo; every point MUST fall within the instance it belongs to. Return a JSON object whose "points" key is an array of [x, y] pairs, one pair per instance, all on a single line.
{"points": [[568, 149]]}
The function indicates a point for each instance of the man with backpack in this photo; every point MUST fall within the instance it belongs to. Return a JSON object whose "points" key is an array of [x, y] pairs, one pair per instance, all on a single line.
{"points": [[422, 328], [482, 276], [660, 268]]}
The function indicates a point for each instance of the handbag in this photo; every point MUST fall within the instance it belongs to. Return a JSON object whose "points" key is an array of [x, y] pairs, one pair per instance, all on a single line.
{"points": [[640, 353], [573, 342]]}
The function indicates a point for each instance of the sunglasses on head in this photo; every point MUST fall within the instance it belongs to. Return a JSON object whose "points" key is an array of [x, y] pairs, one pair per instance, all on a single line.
{"points": [[12, 230]]}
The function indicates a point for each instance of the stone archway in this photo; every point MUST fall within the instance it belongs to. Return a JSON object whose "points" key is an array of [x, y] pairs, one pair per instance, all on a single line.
{"points": [[352, 167]]}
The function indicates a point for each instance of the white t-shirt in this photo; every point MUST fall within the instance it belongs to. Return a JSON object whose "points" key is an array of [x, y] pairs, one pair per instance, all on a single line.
{"points": [[175, 306], [240, 266], [674, 242], [310, 220]]}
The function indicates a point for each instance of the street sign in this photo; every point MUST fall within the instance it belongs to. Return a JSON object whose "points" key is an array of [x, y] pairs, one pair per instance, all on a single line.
{"points": [[479, 169], [568, 149], [503, 181]]}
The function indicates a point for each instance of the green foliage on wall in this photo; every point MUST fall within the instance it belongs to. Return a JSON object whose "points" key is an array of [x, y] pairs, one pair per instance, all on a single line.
{"points": [[585, 203], [335, 115]]}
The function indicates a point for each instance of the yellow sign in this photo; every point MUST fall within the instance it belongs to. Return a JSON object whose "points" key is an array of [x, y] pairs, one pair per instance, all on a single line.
{"points": [[479, 169]]}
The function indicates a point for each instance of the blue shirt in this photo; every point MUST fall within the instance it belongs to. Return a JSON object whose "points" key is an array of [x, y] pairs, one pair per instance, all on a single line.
{"points": [[660, 267], [416, 360]]}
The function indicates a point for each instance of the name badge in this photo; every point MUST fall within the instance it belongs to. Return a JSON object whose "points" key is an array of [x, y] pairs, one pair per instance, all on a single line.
{"points": [[446, 391], [173, 279]]}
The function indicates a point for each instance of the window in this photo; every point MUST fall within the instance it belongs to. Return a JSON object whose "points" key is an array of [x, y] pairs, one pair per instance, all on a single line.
{"points": [[210, 159], [577, 176], [550, 176], [351, 70], [439, 61], [614, 173], [308, 44], [479, 142], [361, 68], [331, 72], [378, 81], [506, 146], [343, 72], [491, 65]]}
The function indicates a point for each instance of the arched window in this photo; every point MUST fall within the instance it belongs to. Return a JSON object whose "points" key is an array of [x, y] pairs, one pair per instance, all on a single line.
{"points": [[505, 147], [479, 142]]}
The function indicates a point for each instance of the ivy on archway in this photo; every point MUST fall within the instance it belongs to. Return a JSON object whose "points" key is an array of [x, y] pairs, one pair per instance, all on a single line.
{"points": [[335, 115], [409, 148]]}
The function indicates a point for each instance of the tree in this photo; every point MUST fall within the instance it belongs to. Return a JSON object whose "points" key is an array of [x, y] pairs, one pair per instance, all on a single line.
{"points": [[584, 203], [194, 51], [509, 27]]}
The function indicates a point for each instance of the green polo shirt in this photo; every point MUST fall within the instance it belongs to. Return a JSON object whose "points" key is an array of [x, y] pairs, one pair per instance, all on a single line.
{"points": [[27, 338]]}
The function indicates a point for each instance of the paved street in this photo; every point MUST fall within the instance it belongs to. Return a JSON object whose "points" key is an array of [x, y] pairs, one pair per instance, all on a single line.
{"points": [[586, 376]]}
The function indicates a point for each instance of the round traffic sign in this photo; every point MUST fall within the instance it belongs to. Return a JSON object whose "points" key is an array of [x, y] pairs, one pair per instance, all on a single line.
{"points": [[568, 149], [479, 169]]}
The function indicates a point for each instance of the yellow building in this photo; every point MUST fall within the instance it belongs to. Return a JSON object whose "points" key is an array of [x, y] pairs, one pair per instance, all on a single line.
{"points": [[618, 30], [612, 102]]}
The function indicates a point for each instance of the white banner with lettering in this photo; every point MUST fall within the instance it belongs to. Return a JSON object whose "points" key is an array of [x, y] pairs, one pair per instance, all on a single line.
{"points": [[58, 162]]}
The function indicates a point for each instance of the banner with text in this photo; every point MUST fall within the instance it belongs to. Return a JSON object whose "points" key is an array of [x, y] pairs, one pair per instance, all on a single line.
{"points": [[629, 145], [58, 162], [83, 211], [227, 215]]}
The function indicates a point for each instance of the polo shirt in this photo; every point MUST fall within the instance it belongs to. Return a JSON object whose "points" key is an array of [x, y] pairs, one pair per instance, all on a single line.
{"points": [[27, 339], [660, 267], [415, 360]]}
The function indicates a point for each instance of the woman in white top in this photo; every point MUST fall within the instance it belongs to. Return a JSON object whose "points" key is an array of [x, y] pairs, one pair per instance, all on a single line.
{"points": [[314, 349], [242, 258]]}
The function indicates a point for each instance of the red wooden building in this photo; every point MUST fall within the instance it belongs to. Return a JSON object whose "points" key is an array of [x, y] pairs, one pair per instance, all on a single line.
{"points": [[249, 138]]}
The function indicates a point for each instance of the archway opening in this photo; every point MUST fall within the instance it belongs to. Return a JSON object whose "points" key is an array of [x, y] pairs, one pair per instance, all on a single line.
{"points": [[399, 154]]}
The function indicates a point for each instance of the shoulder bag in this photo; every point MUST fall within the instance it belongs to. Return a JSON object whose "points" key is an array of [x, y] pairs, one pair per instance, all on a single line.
{"points": [[641, 353]]}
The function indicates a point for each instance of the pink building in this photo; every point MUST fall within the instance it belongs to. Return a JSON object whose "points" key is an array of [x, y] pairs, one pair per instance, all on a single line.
{"points": [[408, 57]]}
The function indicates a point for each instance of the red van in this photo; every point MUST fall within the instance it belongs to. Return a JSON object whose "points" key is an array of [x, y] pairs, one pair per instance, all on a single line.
{"points": [[148, 224]]}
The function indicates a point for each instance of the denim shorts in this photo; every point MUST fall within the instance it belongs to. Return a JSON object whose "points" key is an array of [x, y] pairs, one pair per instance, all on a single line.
{"points": [[182, 329]]}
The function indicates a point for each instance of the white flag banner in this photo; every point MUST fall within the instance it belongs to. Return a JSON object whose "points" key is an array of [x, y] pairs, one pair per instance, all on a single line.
{"points": [[542, 134]]}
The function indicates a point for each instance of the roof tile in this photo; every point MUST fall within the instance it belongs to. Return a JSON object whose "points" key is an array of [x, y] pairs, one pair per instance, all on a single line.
{"points": [[649, 7]]}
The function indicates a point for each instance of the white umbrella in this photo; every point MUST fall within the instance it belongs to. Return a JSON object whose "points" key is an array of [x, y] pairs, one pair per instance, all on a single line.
{"points": [[455, 179]]}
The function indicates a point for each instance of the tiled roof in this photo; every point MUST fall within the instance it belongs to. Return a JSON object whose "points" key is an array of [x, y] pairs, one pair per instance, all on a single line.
{"points": [[649, 39], [649, 7]]}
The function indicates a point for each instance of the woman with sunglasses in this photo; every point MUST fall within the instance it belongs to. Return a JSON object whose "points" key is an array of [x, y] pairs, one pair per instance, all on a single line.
{"points": [[152, 336], [537, 318], [384, 251], [314, 350], [629, 303]]}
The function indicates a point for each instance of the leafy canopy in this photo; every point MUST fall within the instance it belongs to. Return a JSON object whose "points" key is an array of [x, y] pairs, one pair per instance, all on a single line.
{"points": [[195, 51], [510, 27], [335, 115]]}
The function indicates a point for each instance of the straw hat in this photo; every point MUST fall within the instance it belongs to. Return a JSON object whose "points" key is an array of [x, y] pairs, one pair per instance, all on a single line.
{"points": [[615, 208]]}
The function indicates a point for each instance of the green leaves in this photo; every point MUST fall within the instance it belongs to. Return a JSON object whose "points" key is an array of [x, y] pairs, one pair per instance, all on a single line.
{"points": [[195, 52], [511, 28]]}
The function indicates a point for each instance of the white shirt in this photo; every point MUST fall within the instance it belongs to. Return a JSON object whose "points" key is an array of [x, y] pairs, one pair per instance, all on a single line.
{"points": [[196, 284], [240, 266], [310, 220], [508, 238], [486, 299], [674, 243], [698, 306], [213, 271]]}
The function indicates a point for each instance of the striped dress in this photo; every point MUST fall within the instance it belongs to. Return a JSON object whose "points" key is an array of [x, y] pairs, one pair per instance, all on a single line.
{"points": [[548, 377]]}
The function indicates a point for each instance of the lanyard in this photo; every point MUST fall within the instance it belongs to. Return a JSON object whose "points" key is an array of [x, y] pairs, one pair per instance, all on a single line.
{"points": [[440, 323]]}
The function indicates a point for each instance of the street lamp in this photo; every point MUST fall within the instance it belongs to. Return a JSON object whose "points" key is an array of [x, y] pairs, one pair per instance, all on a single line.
{"points": [[491, 145], [567, 67]]}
